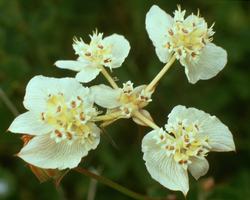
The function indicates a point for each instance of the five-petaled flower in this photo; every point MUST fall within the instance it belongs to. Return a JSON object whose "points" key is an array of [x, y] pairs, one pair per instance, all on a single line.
{"points": [[109, 52], [59, 117], [188, 136], [188, 39], [123, 102]]}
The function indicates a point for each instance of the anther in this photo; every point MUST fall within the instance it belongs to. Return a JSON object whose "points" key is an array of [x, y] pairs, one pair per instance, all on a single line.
{"points": [[184, 30], [69, 135], [82, 117], [58, 133], [42, 114], [171, 148], [79, 98], [59, 108], [107, 60], [170, 31], [100, 46], [73, 104], [179, 52], [88, 54]]}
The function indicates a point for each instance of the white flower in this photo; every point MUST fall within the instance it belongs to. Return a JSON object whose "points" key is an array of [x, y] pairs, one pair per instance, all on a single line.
{"points": [[188, 136], [188, 39], [58, 116], [109, 52], [124, 100]]}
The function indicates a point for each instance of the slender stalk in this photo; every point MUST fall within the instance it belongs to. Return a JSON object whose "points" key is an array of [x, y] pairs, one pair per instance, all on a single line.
{"points": [[152, 84], [147, 121], [109, 78], [93, 186], [107, 117], [114, 185], [8, 103]]}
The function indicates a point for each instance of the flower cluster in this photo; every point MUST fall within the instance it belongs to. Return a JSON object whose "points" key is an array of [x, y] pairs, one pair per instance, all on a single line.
{"points": [[183, 145], [188, 39], [63, 120]]}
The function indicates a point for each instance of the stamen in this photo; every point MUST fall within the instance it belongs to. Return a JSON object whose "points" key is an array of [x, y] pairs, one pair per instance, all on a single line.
{"points": [[107, 60], [69, 123], [170, 31], [58, 133], [100, 46], [42, 115], [88, 54], [73, 104], [59, 108]]}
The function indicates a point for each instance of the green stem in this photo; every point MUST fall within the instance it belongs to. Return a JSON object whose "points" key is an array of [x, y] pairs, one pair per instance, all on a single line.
{"points": [[114, 185], [8, 103]]}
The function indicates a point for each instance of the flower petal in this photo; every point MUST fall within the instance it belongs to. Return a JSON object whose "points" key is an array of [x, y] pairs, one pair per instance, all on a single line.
{"points": [[119, 49], [220, 137], [87, 74], [71, 64], [211, 61], [40, 87], [198, 167], [44, 152], [157, 24], [106, 96], [29, 123], [163, 168], [139, 88]]}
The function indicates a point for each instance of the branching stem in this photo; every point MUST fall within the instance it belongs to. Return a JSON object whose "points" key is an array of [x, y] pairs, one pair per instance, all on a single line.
{"points": [[114, 185], [106, 117], [153, 83], [109, 78], [147, 121], [8, 103]]}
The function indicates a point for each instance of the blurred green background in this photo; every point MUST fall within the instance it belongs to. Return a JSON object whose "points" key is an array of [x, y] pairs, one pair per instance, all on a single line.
{"points": [[34, 34]]}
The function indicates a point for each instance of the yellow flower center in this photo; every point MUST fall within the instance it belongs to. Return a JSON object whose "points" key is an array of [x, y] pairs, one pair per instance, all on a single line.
{"points": [[187, 37], [183, 142], [132, 100], [68, 118], [96, 51]]}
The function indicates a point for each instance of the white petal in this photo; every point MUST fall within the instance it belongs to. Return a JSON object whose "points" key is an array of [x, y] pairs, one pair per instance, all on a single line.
{"points": [[163, 168], [178, 112], [119, 49], [162, 53], [29, 123], [106, 96], [139, 88], [40, 87], [220, 137], [43, 152], [87, 74], [198, 167], [71, 64], [157, 24], [211, 61]]}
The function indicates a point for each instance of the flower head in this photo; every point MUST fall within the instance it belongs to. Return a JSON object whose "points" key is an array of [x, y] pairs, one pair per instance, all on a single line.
{"points": [[188, 39], [59, 117], [125, 100], [183, 145], [109, 52]]}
